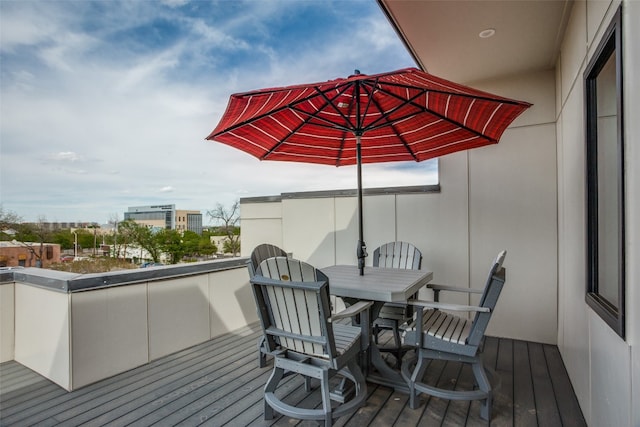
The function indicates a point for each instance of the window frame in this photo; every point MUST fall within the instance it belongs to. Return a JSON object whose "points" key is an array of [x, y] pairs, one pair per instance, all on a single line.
{"points": [[611, 43]]}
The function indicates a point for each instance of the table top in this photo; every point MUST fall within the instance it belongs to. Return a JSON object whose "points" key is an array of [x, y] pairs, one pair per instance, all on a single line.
{"points": [[377, 284]]}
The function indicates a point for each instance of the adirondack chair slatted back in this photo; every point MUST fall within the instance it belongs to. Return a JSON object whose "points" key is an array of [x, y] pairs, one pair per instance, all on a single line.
{"points": [[492, 290], [262, 252], [294, 306], [397, 255]]}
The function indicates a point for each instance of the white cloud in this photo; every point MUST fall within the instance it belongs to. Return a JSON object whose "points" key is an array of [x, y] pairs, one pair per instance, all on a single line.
{"points": [[174, 3], [65, 156]]}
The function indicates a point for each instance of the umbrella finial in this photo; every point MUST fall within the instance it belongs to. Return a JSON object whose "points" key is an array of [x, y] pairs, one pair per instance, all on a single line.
{"points": [[356, 72]]}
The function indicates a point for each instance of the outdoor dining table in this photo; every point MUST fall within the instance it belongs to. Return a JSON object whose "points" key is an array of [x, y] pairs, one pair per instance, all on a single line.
{"points": [[380, 285]]}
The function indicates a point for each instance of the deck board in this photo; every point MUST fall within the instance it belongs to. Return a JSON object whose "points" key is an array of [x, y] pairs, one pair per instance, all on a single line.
{"points": [[503, 403], [524, 404], [568, 406], [546, 408], [218, 383]]}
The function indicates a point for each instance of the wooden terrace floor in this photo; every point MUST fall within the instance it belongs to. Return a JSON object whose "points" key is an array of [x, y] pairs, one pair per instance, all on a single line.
{"points": [[218, 383]]}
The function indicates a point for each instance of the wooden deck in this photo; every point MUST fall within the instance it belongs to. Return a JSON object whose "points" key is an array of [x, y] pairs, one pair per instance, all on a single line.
{"points": [[218, 383]]}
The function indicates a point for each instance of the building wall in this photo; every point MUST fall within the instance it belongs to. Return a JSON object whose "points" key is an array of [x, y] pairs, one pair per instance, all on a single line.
{"points": [[194, 222], [632, 109], [188, 220], [261, 223], [604, 368], [42, 332], [497, 197], [513, 205], [7, 321], [165, 214], [14, 255]]}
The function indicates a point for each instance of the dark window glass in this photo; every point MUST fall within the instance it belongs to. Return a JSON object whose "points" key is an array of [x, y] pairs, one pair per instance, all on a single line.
{"points": [[605, 179]]}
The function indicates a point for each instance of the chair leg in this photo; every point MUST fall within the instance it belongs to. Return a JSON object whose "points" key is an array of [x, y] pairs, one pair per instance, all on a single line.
{"points": [[416, 376], [262, 357], [270, 387], [326, 398], [484, 385]]}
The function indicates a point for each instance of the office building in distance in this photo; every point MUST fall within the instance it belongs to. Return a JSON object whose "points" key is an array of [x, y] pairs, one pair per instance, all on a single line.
{"points": [[166, 216]]}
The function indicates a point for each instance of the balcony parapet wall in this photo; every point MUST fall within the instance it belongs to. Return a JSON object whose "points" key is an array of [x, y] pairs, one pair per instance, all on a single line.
{"points": [[76, 329], [63, 281]]}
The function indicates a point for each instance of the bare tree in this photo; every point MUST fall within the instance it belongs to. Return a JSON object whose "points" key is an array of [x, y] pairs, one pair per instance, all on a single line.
{"points": [[36, 233], [227, 220], [8, 219], [31, 236], [114, 221], [125, 236]]}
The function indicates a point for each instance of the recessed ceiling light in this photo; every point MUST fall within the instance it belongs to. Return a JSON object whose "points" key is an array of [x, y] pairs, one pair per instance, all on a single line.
{"points": [[485, 34]]}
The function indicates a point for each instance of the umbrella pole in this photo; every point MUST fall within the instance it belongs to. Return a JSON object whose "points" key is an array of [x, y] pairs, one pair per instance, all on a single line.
{"points": [[361, 249]]}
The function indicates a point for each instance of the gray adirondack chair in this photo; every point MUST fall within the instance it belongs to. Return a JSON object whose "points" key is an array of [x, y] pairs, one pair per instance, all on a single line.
{"points": [[259, 254], [393, 315], [293, 305], [439, 335]]}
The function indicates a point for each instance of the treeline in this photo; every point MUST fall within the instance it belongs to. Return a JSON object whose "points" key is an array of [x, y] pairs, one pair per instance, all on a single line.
{"points": [[160, 244], [128, 234]]}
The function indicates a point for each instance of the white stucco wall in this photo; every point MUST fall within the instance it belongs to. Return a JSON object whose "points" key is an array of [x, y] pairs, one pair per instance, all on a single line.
{"points": [[603, 367], [261, 223], [631, 13], [42, 332], [7, 323]]}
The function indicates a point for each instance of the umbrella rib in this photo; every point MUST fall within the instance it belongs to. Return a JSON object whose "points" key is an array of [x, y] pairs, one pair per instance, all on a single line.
{"points": [[283, 140], [353, 129], [392, 125], [328, 124], [447, 92], [333, 125], [372, 91], [291, 106], [422, 109]]}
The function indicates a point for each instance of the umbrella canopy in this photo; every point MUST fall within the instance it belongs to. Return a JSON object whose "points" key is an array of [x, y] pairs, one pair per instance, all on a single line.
{"points": [[396, 116]]}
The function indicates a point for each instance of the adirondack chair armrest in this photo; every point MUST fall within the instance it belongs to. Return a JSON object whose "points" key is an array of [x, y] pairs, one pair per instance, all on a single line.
{"points": [[437, 287], [351, 311], [447, 306]]}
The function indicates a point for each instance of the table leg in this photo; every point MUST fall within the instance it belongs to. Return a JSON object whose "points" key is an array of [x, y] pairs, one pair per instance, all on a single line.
{"points": [[373, 365]]}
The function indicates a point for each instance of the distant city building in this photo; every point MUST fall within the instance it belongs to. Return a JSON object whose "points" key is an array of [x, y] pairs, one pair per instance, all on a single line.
{"points": [[167, 217], [19, 254], [161, 216], [53, 226], [189, 220]]}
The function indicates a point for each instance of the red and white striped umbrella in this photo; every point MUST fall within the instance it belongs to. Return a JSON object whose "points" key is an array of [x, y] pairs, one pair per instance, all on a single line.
{"points": [[396, 116]]}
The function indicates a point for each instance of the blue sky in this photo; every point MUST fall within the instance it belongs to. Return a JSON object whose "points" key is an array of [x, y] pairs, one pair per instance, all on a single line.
{"points": [[106, 104]]}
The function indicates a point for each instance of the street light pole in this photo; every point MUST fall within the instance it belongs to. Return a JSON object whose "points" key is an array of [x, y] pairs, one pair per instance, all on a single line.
{"points": [[95, 241], [75, 245]]}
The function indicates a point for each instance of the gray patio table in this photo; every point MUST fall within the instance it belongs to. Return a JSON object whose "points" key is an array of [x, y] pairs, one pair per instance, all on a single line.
{"points": [[379, 285]]}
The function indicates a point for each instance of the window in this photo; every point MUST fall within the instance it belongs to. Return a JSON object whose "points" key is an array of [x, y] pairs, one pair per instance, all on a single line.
{"points": [[605, 179]]}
